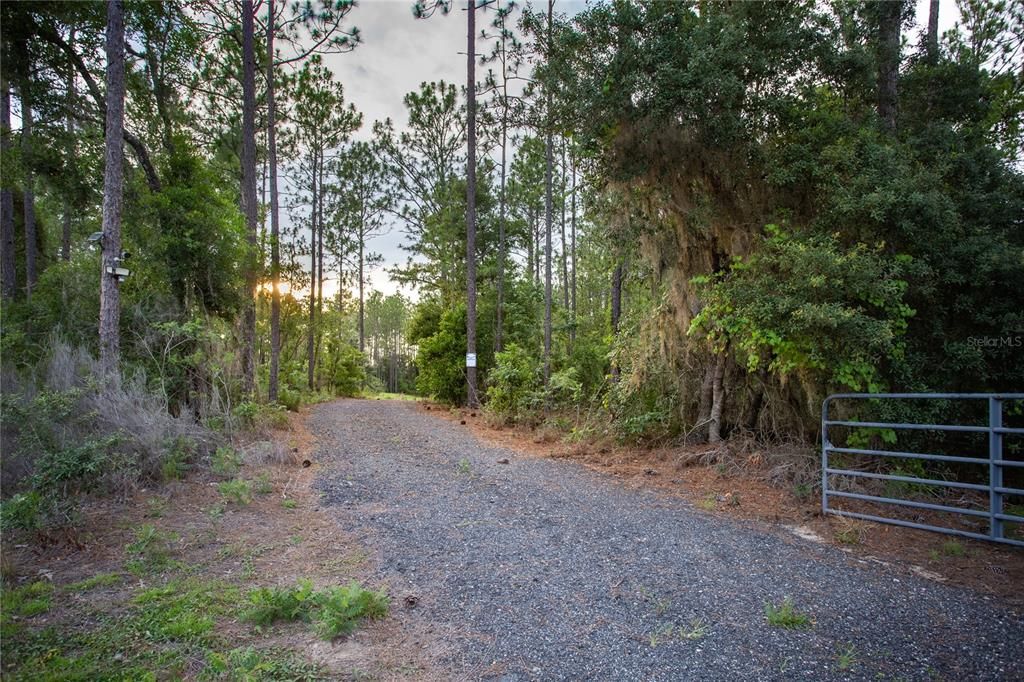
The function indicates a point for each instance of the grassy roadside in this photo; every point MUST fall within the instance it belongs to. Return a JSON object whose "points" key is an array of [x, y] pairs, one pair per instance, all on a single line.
{"points": [[233, 573]]}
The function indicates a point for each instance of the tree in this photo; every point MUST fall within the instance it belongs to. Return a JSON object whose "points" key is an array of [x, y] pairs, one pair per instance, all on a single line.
{"points": [[889, 18], [7, 270], [113, 180], [249, 206], [504, 53], [364, 200], [471, 396], [321, 123]]}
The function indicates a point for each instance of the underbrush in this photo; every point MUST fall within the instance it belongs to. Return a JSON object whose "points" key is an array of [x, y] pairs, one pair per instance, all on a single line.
{"points": [[333, 611], [65, 435]]}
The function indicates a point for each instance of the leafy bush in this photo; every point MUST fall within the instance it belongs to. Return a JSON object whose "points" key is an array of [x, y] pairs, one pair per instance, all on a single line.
{"points": [[268, 605], [441, 359], [514, 384], [346, 369]]}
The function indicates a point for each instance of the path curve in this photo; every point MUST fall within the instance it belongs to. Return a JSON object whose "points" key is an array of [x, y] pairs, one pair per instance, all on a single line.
{"points": [[541, 569]]}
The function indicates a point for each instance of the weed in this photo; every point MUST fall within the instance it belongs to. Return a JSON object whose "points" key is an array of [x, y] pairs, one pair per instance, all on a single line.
{"points": [[850, 535], [155, 507], [296, 540], [847, 657], [151, 550], [341, 609], [256, 664], [335, 611], [662, 606], [786, 616], [698, 629], [263, 484], [709, 503], [98, 580], [225, 461], [664, 631], [215, 512], [463, 466], [28, 600], [953, 548], [272, 604], [237, 490], [289, 503], [802, 492]]}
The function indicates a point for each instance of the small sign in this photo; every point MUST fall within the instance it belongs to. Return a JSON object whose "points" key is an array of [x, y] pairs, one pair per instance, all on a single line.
{"points": [[470, 359]]}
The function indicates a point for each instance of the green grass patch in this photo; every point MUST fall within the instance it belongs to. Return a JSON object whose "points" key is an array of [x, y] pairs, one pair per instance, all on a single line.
{"points": [[785, 615], [151, 551], [289, 504], [225, 461], [334, 611], [98, 580], [27, 600]]}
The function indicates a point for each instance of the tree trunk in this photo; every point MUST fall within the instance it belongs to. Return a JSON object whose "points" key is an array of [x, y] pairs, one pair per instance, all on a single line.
{"points": [[549, 163], [275, 221], [499, 327], [889, 17], [113, 184], [320, 254], [249, 196], [311, 333], [616, 306], [932, 45], [471, 396], [362, 279], [65, 242], [565, 245], [717, 399], [7, 269], [572, 246], [28, 191]]}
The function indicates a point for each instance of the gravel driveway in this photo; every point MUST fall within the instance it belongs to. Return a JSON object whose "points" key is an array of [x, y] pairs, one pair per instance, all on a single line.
{"points": [[542, 569]]}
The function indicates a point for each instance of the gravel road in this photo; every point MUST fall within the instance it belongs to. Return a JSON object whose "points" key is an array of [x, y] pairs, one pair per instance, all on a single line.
{"points": [[543, 570]]}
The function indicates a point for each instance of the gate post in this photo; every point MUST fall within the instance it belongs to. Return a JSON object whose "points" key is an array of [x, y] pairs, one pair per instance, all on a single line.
{"points": [[995, 468]]}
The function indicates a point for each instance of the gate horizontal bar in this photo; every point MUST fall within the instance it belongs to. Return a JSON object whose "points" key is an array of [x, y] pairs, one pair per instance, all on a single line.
{"points": [[906, 479], [930, 396], [925, 526], [1010, 517], [911, 455], [912, 427], [909, 503]]}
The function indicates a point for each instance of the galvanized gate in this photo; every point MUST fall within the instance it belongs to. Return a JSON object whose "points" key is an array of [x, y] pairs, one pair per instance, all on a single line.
{"points": [[996, 490]]}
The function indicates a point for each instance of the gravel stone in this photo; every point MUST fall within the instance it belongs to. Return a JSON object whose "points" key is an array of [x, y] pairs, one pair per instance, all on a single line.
{"points": [[543, 570]]}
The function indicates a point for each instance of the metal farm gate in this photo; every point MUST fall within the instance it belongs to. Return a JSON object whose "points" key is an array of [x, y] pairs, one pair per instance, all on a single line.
{"points": [[995, 462]]}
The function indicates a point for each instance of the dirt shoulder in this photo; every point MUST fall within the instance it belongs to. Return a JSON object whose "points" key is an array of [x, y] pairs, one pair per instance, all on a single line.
{"points": [[157, 584], [981, 566]]}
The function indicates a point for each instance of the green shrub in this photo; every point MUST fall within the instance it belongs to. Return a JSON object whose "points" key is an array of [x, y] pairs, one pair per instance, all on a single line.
{"points": [[22, 511], [339, 609], [289, 398], [151, 550], [346, 366], [237, 490], [514, 384], [441, 359], [225, 461], [268, 605]]}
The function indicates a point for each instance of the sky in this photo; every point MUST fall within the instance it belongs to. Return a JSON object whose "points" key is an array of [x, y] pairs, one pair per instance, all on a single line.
{"points": [[399, 52]]}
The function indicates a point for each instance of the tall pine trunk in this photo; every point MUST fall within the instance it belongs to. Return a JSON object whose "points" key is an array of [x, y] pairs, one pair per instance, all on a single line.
{"points": [[565, 246], [890, 14], [275, 222], [249, 196], [471, 396], [28, 191], [572, 247], [362, 279], [616, 306], [499, 327], [8, 285], [932, 44], [113, 184], [311, 333], [548, 154], [69, 123]]}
